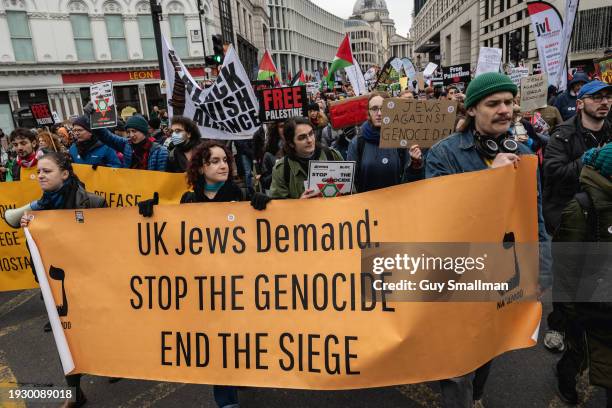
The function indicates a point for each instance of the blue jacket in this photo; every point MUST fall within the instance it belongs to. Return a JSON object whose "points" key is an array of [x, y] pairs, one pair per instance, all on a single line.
{"points": [[99, 155], [158, 157], [457, 154]]}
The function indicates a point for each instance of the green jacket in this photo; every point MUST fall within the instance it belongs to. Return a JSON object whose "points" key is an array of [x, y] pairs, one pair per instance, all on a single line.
{"points": [[297, 176], [579, 277]]}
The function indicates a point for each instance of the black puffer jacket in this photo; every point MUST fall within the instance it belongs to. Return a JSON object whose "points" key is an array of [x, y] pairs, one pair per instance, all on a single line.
{"points": [[562, 166]]}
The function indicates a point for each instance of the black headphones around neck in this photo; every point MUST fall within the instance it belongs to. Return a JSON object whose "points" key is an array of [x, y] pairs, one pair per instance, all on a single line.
{"points": [[489, 147]]}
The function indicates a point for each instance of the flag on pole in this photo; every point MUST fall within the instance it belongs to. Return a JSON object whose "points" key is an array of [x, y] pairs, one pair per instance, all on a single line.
{"points": [[345, 60], [299, 79], [267, 69]]}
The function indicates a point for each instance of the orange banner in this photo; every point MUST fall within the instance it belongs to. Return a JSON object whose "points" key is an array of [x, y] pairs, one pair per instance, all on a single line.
{"points": [[220, 293]]}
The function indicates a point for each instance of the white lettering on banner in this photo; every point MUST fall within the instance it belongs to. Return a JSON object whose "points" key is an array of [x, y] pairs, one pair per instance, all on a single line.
{"points": [[228, 110]]}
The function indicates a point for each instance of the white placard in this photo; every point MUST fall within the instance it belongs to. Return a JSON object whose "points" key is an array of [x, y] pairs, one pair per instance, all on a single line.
{"points": [[331, 178], [489, 60]]}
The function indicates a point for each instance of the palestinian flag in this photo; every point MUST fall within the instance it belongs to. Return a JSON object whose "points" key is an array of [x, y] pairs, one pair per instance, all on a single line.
{"points": [[267, 69], [324, 80], [344, 59], [299, 79]]}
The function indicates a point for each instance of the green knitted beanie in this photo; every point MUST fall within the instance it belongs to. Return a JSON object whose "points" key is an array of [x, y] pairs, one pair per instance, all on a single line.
{"points": [[137, 122], [486, 84]]}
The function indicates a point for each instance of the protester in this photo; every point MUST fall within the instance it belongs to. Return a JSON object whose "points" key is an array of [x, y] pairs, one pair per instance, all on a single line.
{"points": [[120, 128], [64, 135], [300, 147], [566, 102], [87, 148], [263, 163], [483, 142], [551, 116], [583, 280], [562, 163], [345, 137], [209, 175], [320, 124], [24, 142], [523, 131], [185, 138], [154, 130], [62, 189], [562, 167], [375, 167], [406, 94], [275, 139], [139, 152], [244, 161], [48, 142]]}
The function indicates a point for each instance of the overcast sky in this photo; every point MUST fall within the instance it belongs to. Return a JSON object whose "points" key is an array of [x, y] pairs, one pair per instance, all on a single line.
{"points": [[399, 10]]}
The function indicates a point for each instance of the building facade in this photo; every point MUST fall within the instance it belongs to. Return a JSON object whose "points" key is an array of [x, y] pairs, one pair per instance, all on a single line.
{"points": [[376, 14], [364, 42], [54, 51], [450, 32], [401, 46], [302, 36], [244, 23]]}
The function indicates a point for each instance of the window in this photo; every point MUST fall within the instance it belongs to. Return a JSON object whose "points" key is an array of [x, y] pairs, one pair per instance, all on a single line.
{"points": [[178, 34], [116, 37], [147, 38], [81, 30], [20, 35], [225, 14]]}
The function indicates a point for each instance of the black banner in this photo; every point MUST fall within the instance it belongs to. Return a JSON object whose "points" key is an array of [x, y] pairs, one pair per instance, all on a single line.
{"points": [[42, 113], [456, 74]]}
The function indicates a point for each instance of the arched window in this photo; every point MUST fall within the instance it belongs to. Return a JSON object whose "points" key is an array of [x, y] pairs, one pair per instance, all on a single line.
{"points": [[81, 30], [178, 31], [114, 30], [19, 29], [145, 27]]}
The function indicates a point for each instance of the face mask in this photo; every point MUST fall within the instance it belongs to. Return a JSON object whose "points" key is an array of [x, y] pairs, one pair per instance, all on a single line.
{"points": [[177, 138]]}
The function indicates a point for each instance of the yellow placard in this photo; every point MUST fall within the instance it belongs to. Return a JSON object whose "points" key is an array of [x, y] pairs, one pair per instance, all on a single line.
{"points": [[220, 293]]}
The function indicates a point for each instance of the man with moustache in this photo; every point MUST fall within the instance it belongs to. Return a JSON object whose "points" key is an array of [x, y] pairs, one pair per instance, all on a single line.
{"points": [[483, 142]]}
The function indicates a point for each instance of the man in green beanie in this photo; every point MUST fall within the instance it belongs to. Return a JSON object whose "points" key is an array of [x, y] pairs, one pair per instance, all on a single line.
{"points": [[483, 142], [139, 151], [583, 278]]}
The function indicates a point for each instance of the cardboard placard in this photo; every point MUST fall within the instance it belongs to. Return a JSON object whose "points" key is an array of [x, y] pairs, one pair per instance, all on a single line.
{"points": [[42, 113], [331, 178], [105, 109], [349, 112], [408, 122], [518, 73], [456, 74], [489, 60], [534, 92], [280, 104]]}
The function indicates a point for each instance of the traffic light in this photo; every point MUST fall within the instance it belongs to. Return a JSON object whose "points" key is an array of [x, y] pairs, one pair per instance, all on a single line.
{"points": [[217, 48], [516, 48]]}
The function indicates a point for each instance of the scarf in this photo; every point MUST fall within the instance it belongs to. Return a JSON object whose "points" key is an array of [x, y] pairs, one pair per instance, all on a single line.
{"points": [[140, 154], [28, 162], [370, 133], [86, 145], [63, 198], [202, 187], [303, 161]]}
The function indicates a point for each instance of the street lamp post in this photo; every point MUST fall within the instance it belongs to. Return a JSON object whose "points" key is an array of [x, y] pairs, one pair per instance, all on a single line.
{"points": [[156, 15], [201, 11]]}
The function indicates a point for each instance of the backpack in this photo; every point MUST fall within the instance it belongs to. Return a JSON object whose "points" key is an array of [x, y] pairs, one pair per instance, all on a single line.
{"points": [[361, 147], [286, 170]]}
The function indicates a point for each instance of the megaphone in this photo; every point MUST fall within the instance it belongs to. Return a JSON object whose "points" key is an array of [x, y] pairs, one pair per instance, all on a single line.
{"points": [[13, 216]]}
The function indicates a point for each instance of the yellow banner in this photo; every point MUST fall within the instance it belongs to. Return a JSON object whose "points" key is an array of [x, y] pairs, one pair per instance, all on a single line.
{"points": [[15, 269], [219, 293], [119, 187]]}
